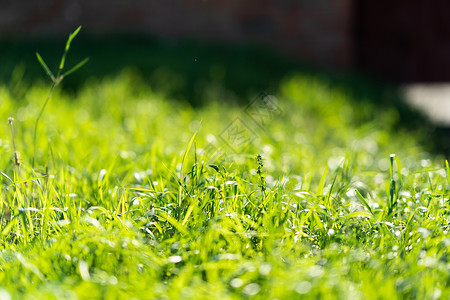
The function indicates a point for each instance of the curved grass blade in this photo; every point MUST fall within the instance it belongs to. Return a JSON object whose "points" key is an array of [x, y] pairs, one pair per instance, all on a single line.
{"points": [[364, 202], [71, 37]]}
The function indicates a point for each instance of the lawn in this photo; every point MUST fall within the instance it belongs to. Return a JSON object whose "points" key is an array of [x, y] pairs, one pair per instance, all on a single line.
{"points": [[201, 174]]}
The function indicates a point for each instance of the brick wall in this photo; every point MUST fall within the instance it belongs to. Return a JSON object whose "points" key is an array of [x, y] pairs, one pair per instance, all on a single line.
{"points": [[315, 31]]}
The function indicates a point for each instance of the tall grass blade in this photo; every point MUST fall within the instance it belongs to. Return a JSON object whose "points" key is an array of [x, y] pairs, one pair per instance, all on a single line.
{"points": [[187, 152], [447, 168], [322, 182], [399, 171]]}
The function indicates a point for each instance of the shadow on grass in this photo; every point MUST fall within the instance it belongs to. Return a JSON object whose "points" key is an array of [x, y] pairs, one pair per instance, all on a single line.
{"points": [[185, 70]]}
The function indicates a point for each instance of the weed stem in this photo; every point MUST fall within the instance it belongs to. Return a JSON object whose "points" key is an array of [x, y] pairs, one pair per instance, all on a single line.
{"points": [[16, 155], [41, 112]]}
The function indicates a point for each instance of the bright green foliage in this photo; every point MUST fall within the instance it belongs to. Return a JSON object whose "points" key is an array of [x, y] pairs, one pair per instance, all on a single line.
{"points": [[125, 201]]}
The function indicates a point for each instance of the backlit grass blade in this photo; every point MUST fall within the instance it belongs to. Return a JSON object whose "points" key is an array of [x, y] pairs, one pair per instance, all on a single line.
{"points": [[76, 67], [27, 180], [188, 214], [46, 68], [364, 202], [357, 214], [399, 170], [164, 216], [186, 153], [69, 40], [7, 176], [447, 168], [8, 227], [71, 37], [322, 182]]}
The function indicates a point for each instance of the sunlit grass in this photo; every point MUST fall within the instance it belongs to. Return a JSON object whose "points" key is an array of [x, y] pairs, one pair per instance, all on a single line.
{"points": [[128, 199]]}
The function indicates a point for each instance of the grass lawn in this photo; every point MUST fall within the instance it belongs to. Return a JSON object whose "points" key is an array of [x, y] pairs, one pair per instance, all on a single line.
{"points": [[139, 192]]}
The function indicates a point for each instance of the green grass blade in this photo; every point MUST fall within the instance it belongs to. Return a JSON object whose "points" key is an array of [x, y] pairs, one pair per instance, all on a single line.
{"points": [[166, 217], [364, 202], [399, 170], [215, 167], [27, 180], [357, 214], [76, 67], [63, 60], [6, 176], [71, 37], [187, 152], [447, 168], [46, 68], [8, 227], [188, 214], [69, 41], [391, 165], [322, 182]]}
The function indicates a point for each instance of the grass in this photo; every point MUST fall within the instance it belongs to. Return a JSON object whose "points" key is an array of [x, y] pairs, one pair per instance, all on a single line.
{"points": [[135, 195]]}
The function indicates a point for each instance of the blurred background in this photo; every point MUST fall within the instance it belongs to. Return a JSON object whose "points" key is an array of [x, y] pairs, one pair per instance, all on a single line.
{"points": [[404, 40], [385, 51]]}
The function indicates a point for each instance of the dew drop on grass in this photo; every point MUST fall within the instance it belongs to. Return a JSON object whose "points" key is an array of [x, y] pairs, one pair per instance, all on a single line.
{"points": [[251, 289], [195, 126], [175, 259], [251, 269], [138, 177], [265, 269], [236, 283], [84, 270], [267, 150], [437, 293], [315, 271], [334, 162], [425, 163], [424, 232], [383, 164], [113, 280], [62, 223], [4, 294], [303, 287], [101, 175]]}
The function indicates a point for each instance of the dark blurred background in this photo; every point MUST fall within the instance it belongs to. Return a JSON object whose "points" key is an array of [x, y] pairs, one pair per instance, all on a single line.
{"points": [[402, 40], [315, 31]]}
